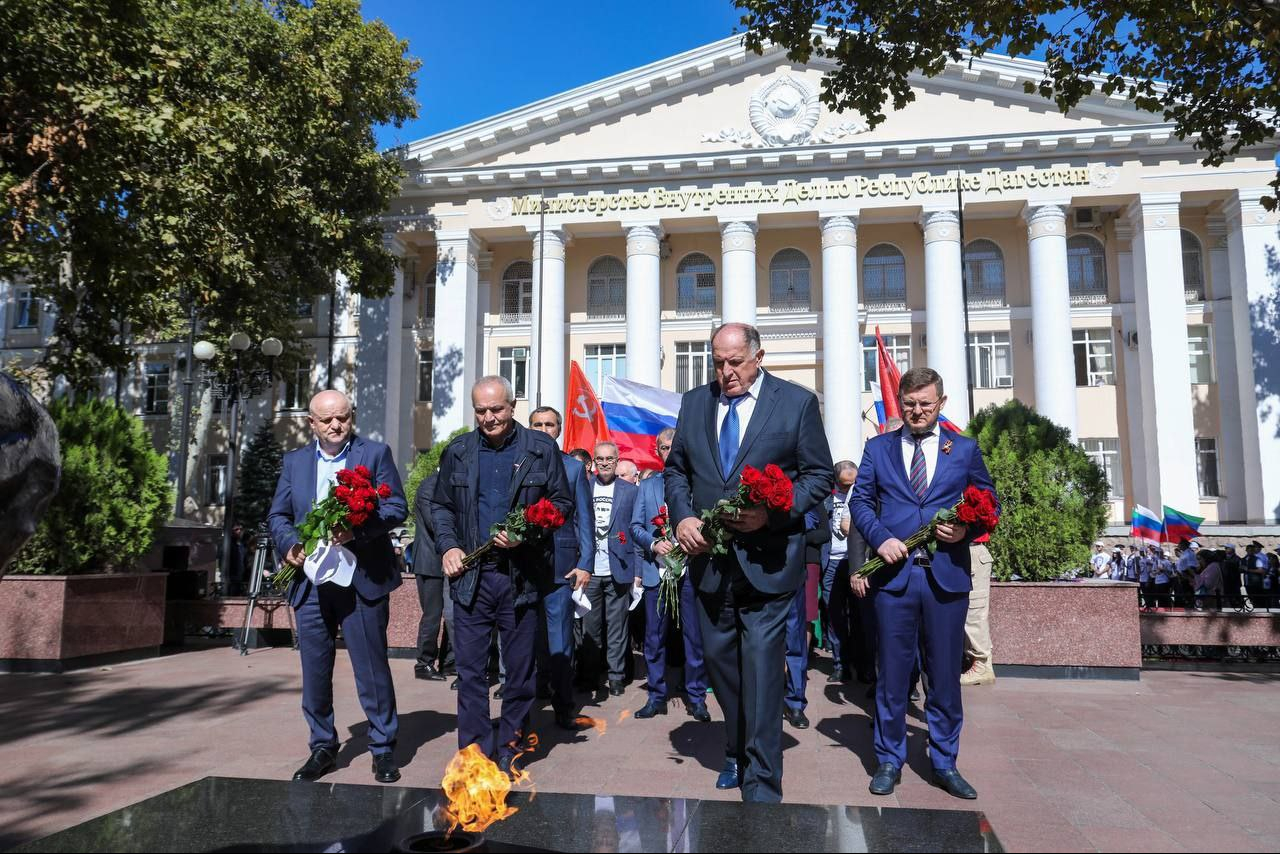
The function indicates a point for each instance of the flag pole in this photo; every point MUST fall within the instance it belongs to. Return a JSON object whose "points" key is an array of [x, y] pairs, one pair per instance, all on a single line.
{"points": [[964, 291], [542, 237]]}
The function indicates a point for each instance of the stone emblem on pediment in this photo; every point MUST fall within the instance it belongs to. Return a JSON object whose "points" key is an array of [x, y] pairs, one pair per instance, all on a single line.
{"points": [[784, 112]]}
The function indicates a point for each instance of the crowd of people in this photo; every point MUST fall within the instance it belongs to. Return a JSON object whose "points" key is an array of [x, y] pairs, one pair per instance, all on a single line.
{"points": [[1192, 575]]}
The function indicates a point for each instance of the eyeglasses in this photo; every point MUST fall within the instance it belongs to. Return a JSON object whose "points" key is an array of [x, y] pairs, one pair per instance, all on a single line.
{"points": [[911, 405], [662, 447]]}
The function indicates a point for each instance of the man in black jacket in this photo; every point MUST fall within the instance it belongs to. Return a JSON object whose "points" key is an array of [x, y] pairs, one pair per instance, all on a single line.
{"points": [[433, 656]]}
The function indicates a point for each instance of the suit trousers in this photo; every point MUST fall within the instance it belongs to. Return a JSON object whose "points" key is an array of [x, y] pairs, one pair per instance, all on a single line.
{"points": [[603, 633], [743, 641], [364, 629], [921, 612], [555, 646], [797, 652], [433, 597], [977, 625], [493, 607], [657, 621]]}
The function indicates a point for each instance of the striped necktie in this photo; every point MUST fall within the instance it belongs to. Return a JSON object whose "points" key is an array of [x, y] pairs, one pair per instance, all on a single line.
{"points": [[919, 471]]}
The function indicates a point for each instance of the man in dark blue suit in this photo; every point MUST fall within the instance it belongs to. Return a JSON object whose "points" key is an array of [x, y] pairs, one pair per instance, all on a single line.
{"points": [[361, 609], [905, 478], [746, 417], [603, 631], [649, 502], [484, 475], [573, 551]]}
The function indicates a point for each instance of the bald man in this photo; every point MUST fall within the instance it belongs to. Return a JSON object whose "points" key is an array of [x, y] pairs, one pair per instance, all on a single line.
{"points": [[360, 609]]}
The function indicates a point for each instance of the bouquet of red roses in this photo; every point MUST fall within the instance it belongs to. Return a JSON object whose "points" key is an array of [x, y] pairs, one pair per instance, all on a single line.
{"points": [[673, 565], [977, 507], [770, 489], [520, 524], [349, 504]]}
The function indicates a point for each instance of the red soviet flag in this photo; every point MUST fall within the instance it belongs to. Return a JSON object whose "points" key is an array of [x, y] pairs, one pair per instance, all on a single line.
{"points": [[889, 379], [584, 423]]}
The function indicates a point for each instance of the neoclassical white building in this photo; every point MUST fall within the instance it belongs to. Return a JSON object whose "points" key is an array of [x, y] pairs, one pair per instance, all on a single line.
{"points": [[1113, 282]]}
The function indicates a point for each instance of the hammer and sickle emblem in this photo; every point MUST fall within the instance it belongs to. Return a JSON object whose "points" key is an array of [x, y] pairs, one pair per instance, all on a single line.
{"points": [[584, 408]]}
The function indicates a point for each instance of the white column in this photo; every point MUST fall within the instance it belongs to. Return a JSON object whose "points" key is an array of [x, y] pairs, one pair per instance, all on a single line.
{"points": [[1162, 341], [841, 337], [1140, 485], [457, 285], [1253, 248], [1054, 361], [548, 283], [378, 362], [738, 254], [944, 309], [644, 305], [484, 293], [1232, 475]]}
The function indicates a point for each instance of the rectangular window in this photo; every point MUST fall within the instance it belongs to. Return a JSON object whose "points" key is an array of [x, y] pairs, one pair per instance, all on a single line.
{"points": [[425, 358], [297, 386], [605, 360], [991, 360], [156, 396], [1207, 466], [26, 309], [1095, 359], [215, 479], [513, 365], [305, 307], [899, 347], [1200, 353], [693, 364], [1106, 454]]}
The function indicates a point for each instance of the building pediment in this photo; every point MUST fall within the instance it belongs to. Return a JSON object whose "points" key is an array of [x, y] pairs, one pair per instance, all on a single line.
{"points": [[724, 99]]}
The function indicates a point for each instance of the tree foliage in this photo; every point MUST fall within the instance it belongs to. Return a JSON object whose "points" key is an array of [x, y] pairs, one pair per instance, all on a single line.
{"points": [[259, 474], [1053, 498], [425, 463], [1210, 68], [158, 153], [114, 496]]}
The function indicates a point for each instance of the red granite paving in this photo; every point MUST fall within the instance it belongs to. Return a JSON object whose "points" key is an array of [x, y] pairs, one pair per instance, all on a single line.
{"points": [[1177, 761]]}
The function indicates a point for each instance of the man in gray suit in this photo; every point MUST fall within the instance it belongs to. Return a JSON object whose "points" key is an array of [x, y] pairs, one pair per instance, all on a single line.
{"points": [[746, 417]]}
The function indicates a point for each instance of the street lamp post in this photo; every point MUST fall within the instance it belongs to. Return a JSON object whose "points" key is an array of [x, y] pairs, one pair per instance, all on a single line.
{"points": [[237, 385], [179, 510]]}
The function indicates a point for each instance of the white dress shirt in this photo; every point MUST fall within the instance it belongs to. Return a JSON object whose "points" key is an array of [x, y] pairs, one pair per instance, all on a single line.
{"points": [[929, 446], [745, 408], [327, 469]]}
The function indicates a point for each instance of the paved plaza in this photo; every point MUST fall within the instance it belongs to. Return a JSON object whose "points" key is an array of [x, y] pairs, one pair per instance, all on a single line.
{"points": [[1176, 761]]}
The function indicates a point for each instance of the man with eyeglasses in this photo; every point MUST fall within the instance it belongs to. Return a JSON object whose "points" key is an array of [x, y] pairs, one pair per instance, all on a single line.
{"points": [[905, 478]]}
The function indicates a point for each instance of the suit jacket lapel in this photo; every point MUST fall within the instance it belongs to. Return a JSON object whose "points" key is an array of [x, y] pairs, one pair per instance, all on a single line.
{"points": [[759, 417], [713, 439], [898, 464], [307, 481], [524, 462]]}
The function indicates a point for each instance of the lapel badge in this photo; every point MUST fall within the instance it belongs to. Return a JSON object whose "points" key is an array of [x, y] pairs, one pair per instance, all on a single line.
{"points": [[946, 447]]}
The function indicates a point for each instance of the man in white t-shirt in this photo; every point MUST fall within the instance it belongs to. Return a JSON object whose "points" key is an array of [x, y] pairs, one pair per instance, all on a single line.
{"points": [[1101, 561]]}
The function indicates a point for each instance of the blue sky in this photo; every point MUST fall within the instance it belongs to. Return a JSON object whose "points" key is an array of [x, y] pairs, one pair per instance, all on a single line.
{"points": [[482, 58]]}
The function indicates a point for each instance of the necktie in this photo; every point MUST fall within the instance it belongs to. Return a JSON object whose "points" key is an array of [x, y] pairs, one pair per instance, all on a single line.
{"points": [[919, 471], [729, 436]]}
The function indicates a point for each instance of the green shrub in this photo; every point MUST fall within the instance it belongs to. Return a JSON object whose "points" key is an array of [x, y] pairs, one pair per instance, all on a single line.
{"points": [[1053, 498], [426, 462], [115, 494]]}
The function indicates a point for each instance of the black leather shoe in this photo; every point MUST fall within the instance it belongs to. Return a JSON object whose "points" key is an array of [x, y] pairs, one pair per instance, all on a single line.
{"points": [[728, 778], [384, 768], [617, 688], [795, 717], [497, 695], [698, 711], [838, 675], [507, 762], [569, 721], [320, 762], [955, 785], [886, 777], [428, 672], [651, 708]]}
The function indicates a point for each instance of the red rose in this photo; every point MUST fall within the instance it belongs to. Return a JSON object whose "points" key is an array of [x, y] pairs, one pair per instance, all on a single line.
{"points": [[358, 519], [368, 505], [342, 493], [622, 537], [344, 477], [362, 472], [384, 490], [967, 514]]}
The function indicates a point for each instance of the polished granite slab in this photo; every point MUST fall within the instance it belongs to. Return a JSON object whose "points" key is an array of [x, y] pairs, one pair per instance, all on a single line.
{"points": [[232, 814]]}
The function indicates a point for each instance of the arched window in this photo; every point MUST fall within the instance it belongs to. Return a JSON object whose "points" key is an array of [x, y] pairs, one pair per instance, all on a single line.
{"points": [[517, 292], [696, 285], [789, 281], [1086, 269], [607, 289], [884, 278], [984, 269], [1192, 267]]}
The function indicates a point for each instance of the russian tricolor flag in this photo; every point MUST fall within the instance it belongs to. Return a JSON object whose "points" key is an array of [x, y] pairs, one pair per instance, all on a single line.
{"points": [[636, 414], [1146, 525]]}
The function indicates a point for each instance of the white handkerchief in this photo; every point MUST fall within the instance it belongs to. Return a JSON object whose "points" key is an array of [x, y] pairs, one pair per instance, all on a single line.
{"points": [[637, 593], [581, 604], [330, 564]]}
